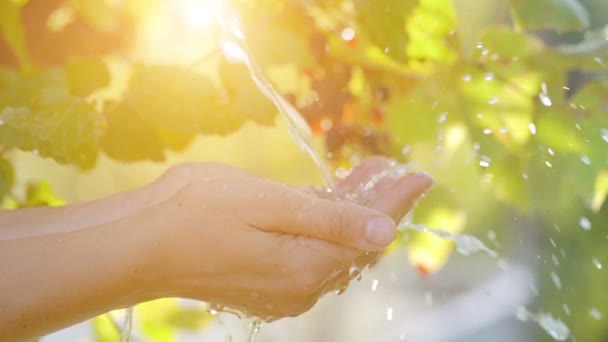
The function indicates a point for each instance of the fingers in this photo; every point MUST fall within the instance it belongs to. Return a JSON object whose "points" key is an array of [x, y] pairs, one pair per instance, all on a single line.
{"points": [[296, 213], [395, 198], [362, 174]]}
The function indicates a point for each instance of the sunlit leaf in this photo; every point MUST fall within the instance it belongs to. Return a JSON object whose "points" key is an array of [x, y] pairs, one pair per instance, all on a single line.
{"points": [[128, 137], [160, 319], [559, 15], [505, 43], [104, 330], [40, 194], [558, 131], [181, 100], [99, 13], [246, 100], [384, 21], [39, 114], [600, 192], [85, 75], [473, 18], [7, 177], [11, 29], [428, 252]]}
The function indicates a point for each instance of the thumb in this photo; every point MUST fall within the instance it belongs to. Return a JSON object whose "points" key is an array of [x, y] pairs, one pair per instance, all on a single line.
{"points": [[339, 222]]}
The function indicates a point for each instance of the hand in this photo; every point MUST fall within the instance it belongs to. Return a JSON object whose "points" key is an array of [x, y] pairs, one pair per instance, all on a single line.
{"points": [[265, 248], [258, 246]]}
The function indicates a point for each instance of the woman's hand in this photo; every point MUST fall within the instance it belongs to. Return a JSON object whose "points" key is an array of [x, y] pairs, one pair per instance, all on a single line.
{"points": [[265, 248]]}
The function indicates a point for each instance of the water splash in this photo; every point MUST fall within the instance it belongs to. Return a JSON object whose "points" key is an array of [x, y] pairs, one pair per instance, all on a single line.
{"points": [[234, 46], [553, 326], [254, 329], [125, 335], [465, 244]]}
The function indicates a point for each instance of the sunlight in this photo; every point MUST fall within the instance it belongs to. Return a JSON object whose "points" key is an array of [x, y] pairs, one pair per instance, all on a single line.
{"points": [[197, 15]]}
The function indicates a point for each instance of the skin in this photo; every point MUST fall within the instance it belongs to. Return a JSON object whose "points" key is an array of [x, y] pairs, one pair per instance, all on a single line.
{"points": [[202, 231]]}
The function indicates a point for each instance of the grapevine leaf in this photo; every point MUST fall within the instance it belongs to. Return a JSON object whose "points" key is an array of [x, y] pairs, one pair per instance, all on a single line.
{"points": [[37, 113], [7, 177], [245, 98], [559, 15], [384, 21], [11, 29], [128, 137], [178, 99], [85, 75]]}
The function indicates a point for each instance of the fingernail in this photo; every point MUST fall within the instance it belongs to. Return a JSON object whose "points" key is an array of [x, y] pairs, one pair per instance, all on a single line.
{"points": [[423, 182], [380, 231]]}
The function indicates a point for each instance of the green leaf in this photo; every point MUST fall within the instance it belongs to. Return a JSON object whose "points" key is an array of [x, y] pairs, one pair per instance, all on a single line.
{"points": [[181, 100], [384, 21], [600, 191], [558, 131], [85, 75], [11, 29], [38, 113], [40, 194], [245, 98], [473, 17], [507, 43], [105, 330], [559, 15], [271, 45], [7, 177], [128, 137]]}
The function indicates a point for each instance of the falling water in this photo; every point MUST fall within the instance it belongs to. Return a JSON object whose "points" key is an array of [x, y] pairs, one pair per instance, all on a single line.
{"points": [[125, 334], [553, 326], [234, 46]]}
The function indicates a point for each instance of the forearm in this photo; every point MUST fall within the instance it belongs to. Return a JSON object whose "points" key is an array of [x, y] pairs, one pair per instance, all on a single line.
{"points": [[51, 281]]}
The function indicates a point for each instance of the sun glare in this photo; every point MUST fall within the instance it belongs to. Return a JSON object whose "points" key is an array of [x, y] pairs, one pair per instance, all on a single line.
{"points": [[198, 15]]}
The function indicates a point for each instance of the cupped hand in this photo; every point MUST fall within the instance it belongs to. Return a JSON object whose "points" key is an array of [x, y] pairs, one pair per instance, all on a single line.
{"points": [[264, 248]]}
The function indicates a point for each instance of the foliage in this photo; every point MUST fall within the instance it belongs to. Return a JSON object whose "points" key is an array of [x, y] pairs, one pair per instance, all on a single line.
{"points": [[504, 102]]}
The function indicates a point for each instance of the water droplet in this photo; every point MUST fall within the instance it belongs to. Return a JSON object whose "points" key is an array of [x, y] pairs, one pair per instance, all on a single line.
{"points": [[584, 223], [1, 122], [484, 163], [532, 128], [487, 131], [566, 309], [406, 150], [494, 100], [489, 76], [491, 235], [389, 314], [550, 151], [553, 326], [467, 78], [578, 126], [555, 260], [348, 34], [545, 100], [548, 163], [524, 175], [556, 281], [552, 243], [585, 159], [375, 285], [604, 134], [442, 117], [597, 263], [595, 314]]}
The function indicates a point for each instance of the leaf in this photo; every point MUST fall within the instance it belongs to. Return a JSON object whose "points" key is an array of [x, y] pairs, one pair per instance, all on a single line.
{"points": [[271, 45], [37, 113], [245, 98], [99, 13], [11, 28], [160, 319], [473, 17], [510, 44], [85, 75], [7, 177], [128, 137], [40, 194], [600, 191], [181, 100], [384, 21], [559, 15], [104, 330], [558, 131]]}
